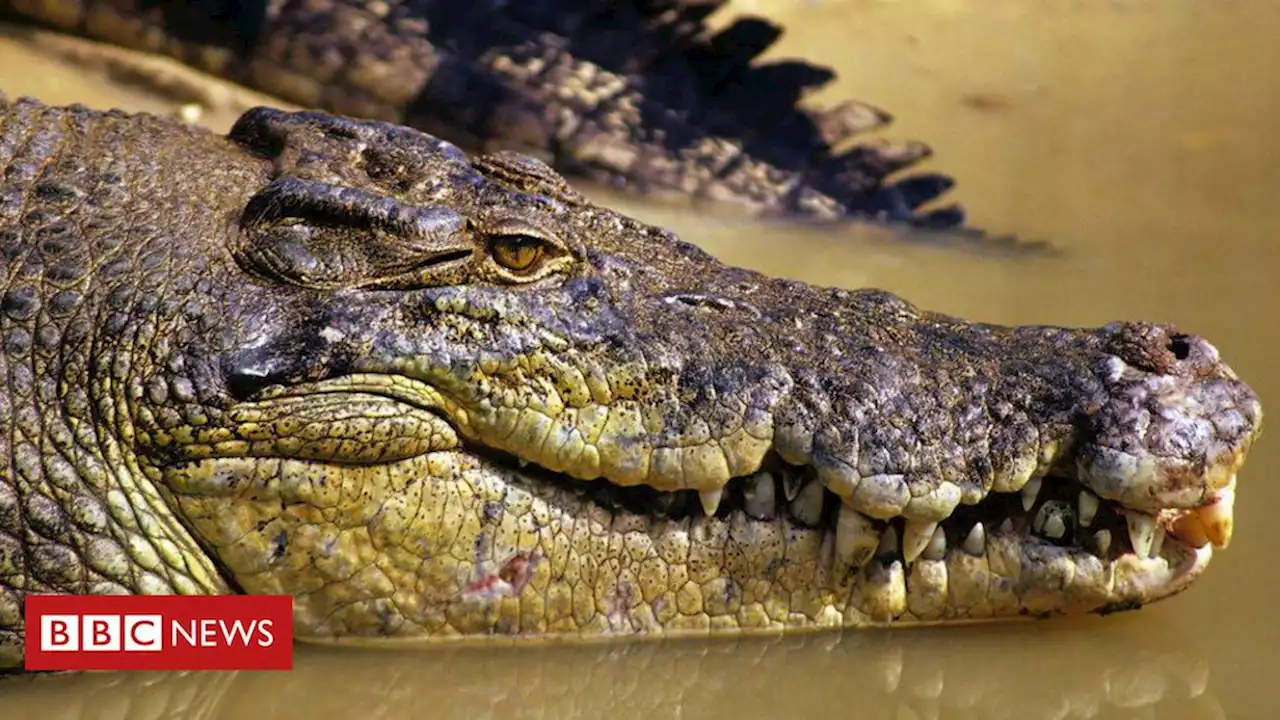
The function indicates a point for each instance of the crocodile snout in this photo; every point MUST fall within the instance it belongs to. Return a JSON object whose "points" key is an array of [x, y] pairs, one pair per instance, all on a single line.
{"points": [[1175, 427]]}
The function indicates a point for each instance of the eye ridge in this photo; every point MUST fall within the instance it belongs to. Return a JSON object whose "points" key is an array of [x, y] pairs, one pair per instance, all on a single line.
{"points": [[518, 252]]}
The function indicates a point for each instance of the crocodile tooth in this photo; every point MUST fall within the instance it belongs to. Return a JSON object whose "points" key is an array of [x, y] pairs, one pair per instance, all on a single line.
{"points": [[1210, 523], [915, 536], [1219, 517], [1158, 542], [1188, 529], [856, 536], [807, 505], [1052, 519], [1088, 506], [1006, 527], [791, 482], [759, 495], [1102, 539], [976, 542], [1054, 527], [882, 590], [888, 542], [937, 547], [1030, 492], [710, 500], [1142, 532]]}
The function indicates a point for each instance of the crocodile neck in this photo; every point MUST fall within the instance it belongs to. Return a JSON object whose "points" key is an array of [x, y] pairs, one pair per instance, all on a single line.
{"points": [[89, 322]]}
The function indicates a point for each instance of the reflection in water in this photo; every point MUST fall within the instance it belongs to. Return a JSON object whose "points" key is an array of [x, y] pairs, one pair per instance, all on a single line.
{"points": [[1032, 671]]}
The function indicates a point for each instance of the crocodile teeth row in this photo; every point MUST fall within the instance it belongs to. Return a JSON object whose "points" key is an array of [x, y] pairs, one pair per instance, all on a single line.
{"points": [[857, 538], [1146, 536]]}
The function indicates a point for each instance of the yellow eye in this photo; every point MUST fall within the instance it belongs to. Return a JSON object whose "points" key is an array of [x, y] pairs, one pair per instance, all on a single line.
{"points": [[518, 253]]}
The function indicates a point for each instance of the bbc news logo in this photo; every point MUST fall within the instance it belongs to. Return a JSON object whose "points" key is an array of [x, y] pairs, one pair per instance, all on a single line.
{"points": [[159, 632]]}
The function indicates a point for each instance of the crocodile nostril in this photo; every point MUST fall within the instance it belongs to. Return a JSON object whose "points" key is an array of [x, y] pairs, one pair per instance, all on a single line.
{"points": [[1180, 346], [1159, 348]]}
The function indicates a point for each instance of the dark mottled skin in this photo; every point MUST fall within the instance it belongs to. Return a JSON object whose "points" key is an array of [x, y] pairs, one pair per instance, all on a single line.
{"points": [[640, 95], [180, 311]]}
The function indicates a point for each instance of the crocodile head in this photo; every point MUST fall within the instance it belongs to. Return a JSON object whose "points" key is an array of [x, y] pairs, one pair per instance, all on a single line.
{"points": [[447, 396]]}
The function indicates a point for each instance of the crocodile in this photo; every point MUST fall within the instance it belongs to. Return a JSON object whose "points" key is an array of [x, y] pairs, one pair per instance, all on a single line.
{"points": [[432, 394], [641, 96]]}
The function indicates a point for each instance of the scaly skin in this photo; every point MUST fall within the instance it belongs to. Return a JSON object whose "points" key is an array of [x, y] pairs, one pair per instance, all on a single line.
{"points": [[639, 95], [435, 396]]}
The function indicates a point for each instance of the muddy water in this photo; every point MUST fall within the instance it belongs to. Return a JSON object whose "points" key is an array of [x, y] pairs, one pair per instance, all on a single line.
{"points": [[1138, 136]]}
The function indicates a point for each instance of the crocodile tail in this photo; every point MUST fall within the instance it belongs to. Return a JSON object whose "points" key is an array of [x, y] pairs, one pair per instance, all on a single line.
{"points": [[699, 84], [639, 94]]}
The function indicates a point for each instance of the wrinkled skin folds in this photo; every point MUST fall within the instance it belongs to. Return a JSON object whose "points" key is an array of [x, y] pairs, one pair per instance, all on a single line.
{"points": [[437, 396]]}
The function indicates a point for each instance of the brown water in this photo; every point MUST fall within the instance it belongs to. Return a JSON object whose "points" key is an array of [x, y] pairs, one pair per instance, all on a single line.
{"points": [[1139, 136]]}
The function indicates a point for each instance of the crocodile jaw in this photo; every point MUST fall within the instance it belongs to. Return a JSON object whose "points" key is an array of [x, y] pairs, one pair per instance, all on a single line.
{"points": [[455, 540], [451, 545]]}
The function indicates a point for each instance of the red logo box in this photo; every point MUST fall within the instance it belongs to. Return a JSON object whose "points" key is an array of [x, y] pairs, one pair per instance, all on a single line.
{"points": [[159, 632]]}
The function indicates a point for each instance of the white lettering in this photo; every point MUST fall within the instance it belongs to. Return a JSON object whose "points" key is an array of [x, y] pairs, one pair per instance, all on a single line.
{"points": [[238, 629], [212, 633], [188, 634], [209, 632], [264, 629]]}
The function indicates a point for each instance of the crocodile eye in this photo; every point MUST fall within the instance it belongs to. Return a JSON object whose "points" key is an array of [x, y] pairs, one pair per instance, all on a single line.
{"points": [[518, 253]]}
